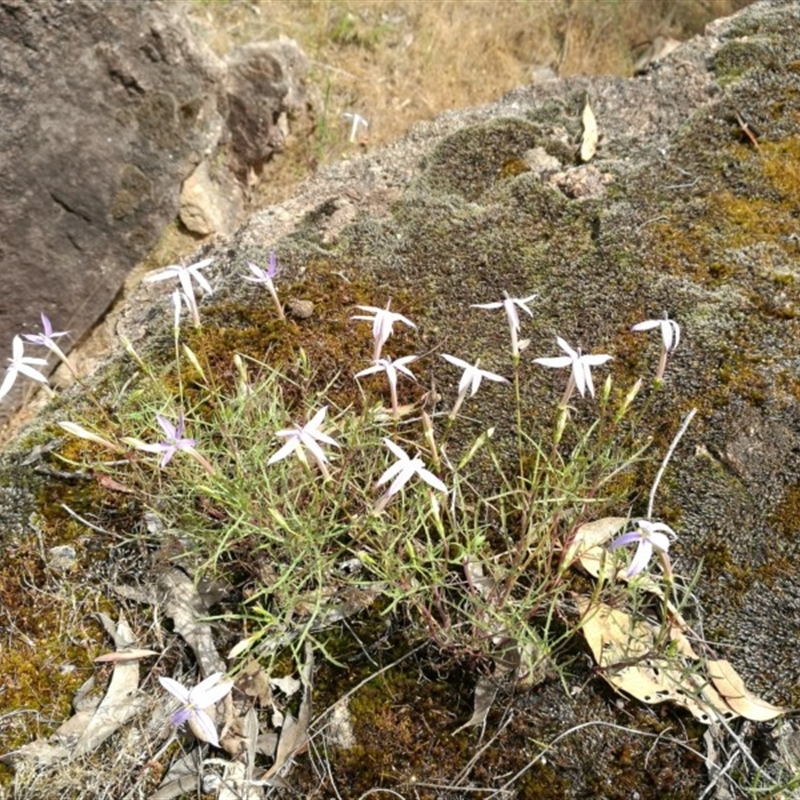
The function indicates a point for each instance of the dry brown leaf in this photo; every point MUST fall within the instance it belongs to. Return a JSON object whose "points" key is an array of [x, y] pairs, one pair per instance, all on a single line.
{"points": [[485, 692], [730, 685], [586, 546], [184, 605], [590, 133], [183, 777], [294, 732], [253, 680], [626, 649], [121, 701]]}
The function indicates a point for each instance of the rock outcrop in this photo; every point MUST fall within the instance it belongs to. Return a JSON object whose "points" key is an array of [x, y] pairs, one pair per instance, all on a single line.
{"points": [[107, 109], [689, 209]]}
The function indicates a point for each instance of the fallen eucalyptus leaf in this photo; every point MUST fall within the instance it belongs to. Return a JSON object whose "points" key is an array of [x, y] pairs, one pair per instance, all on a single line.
{"points": [[731, 687], [120, 703], [627, 650], [294, 732], [184, 605], [288, 685], [183, 777], [586, 546], [485, 692]]}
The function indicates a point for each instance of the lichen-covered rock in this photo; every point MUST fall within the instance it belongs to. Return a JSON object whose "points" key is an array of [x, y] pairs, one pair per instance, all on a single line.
{"points": [[698, 220]]}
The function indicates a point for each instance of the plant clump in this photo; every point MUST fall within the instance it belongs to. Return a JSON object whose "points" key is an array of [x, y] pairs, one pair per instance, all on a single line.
{"points": [[309, 504]]}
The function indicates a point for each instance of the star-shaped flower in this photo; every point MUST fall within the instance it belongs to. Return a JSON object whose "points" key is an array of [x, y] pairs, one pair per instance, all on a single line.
{"points": [[194, 701], [646, 535], [402, 471], [20, 364], [174, 442], [265, 276], [391, 368], [581, 377], [185, 276], [670, 338], [47, 337], [470, 379], [382, 320], [511, 304], [306, 438]]}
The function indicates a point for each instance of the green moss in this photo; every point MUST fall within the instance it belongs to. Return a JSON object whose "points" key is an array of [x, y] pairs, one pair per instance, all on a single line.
{"points": [[327, 338], [735, 58], [481, 154]]}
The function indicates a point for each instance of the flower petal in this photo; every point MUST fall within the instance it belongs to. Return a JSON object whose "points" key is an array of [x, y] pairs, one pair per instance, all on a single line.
{"points": [[285, 451], [640, 559], [555, 361], [175, 689], [206, 727]]}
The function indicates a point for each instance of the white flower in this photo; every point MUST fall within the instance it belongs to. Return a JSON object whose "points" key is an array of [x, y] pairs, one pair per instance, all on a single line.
{"points": [[185, 276], [581, 377], [670, 338], [19, 363], [306, 438], [646, 535], [670, 331], [391, 368], [356, 121], [193, 702], [382, 323], [470, 379], [402, 471], [510, 304]]}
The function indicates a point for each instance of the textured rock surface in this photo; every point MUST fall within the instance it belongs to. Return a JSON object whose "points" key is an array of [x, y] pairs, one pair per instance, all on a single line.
{"points": [[684, 214], [106, 109]]}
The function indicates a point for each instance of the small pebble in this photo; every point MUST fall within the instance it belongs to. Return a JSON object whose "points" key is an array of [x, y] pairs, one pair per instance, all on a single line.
{"points": [[301, 309], [62, 558]]}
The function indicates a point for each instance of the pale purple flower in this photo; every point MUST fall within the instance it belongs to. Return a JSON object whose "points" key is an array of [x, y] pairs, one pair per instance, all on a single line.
{"points": [[174, 442], [391, 368], [194, 701], [265, 276], [185, 276], [510, 305], [47, 337], [646, 535], [402, 471], [382, 320], [306, 438], [581, 377], [670, 338], [20, 364], [470, 379]]}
